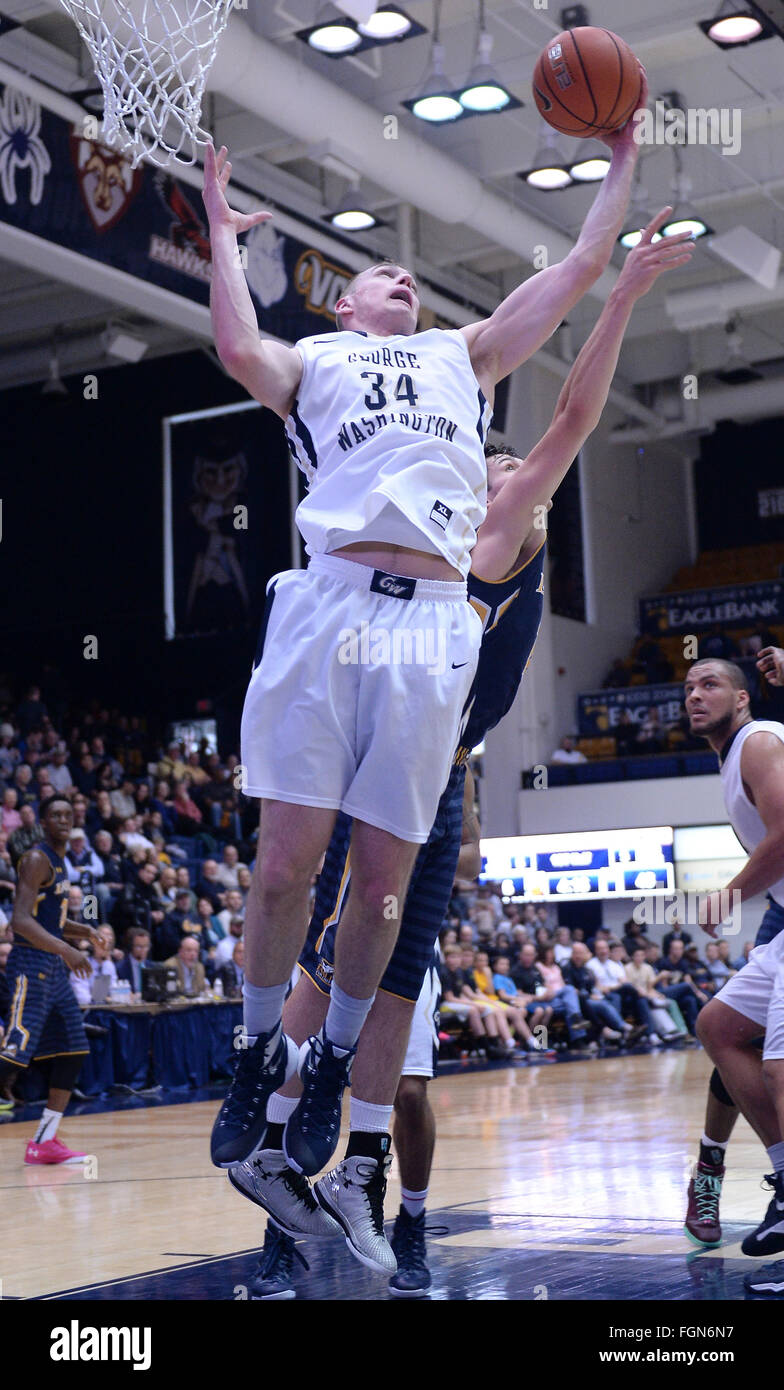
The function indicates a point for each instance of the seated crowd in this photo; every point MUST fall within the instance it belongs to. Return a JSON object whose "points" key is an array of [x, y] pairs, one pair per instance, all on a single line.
{"points": [[512, 978], [160, 858]]}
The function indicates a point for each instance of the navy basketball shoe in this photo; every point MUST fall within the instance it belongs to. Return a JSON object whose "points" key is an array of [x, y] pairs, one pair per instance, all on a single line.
{"points": [[768, 1239], [767, 1281], [274, 1275], [241, 1123], [313, 1129], [413, 1277]]}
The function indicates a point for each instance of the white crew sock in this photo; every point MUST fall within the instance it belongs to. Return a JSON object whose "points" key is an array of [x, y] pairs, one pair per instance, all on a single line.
{"points": [[373, 1119], [775, 1154], [714, 1143], [279, 1108], [47, 1125], [345, 1017], [413, 1202], [262, 1008]]}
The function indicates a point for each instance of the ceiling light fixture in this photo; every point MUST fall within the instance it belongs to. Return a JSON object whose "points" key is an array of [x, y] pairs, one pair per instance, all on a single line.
{"points": [[549, 170], [590, 167], [734, 25], [351, 213], [386, 24], [332, 33], [483, 90]]}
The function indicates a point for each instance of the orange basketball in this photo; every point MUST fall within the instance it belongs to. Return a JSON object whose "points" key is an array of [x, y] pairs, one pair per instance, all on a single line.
{"points": [[587, 82]]}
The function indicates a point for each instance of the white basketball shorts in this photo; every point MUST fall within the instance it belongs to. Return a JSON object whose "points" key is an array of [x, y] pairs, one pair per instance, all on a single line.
{"points": [[422, 1053], [357, 697], [757, 992]]}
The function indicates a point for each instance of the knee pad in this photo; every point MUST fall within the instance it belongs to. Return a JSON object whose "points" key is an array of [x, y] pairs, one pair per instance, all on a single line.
{"points": [[719, 1090]]}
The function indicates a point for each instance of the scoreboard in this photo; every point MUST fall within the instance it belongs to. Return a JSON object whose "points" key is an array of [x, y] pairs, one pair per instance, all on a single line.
{"points": [[586, 864]]}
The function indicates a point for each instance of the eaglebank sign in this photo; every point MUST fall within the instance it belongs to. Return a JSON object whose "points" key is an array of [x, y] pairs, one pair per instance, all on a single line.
{"points": [[75, 1343]]}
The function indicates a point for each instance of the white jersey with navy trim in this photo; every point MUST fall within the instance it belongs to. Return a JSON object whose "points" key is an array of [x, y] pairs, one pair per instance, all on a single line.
{"points": [[744, 817], [390, 435]]}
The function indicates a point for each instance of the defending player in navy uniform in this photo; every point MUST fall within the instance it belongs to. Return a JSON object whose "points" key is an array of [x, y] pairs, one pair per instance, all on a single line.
{"points": [[506, 586], [751, 762], [388, 425], [45, 1021]]}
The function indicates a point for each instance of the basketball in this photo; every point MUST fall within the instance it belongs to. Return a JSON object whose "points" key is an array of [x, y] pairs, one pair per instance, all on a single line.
{"points": [[587, 82]]}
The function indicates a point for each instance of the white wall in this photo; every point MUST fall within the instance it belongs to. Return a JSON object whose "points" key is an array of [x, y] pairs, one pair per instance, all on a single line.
{"points": [[637, 531]]}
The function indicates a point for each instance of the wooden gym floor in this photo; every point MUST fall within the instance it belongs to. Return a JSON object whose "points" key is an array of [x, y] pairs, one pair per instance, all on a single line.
{"points": [[558, 1181]]}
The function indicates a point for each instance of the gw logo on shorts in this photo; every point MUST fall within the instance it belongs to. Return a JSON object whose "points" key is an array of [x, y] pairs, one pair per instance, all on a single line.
{"points": [[393, 585]]}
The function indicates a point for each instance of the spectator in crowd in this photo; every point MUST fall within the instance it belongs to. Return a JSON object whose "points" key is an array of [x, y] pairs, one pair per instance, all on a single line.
{"points": [[235, 907], [243, 879], [25, 836], [650, 735], [657, 667], [718, 967], [642, 977], [224, 950], [100, 815], [23, 785], [716, 642], [167, 887], [184, 881], [617, 677], [10, 817], [172, 768], [32, 712], [675, 982], [7, 870], [677, 933], [514, 1017], [210, 926], [699, 974], [132, 837], [139, 905], [82, 865], [562, 946], [228, 872], [10, 757], [562, 998], [58, 770], [528, 977], [232, 974], [612, 985], [131, 967], [210, 885], [191, 979], [502, 946], [625, 734], [594, 1006], [122, 800], [188, 815], [491, 1011], [458, 1002], [538, 1014], [633, 936], [568, 752], [100, 952], [110, 883]]}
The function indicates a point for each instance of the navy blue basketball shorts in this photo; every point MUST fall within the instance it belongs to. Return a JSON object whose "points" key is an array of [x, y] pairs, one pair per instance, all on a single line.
{"points": [[45, 1019], [426, 902], [772, 923]]}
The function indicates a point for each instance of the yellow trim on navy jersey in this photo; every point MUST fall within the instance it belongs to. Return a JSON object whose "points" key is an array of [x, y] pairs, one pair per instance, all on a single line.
{"points": [[46, 1056], [511, 573], [315, 983], [17, 1009], [334, 915]]}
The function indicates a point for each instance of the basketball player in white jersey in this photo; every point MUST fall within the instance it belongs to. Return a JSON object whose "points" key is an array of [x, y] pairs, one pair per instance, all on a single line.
{"points": [[751, 754], [388, 426]]}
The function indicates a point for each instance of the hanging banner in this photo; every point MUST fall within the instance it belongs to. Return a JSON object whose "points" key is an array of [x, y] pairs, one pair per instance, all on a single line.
{"points": [[696, 610], [599, 711]]}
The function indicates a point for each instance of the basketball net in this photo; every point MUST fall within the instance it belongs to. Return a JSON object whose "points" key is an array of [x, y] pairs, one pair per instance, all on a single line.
{"points": [[152, 58]]}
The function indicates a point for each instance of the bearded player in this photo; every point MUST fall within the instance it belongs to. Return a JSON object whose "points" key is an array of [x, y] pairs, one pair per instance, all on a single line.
{"points": [[506, 586], [751, 760]]}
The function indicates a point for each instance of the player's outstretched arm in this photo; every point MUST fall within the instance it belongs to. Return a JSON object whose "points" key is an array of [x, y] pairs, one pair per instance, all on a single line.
{"points": [[469, 860], [532, 312], [578, 410], [269, 371]]}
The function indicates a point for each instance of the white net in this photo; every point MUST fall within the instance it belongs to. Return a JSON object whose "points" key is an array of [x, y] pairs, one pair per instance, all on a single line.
{"points": [[152, 58]]}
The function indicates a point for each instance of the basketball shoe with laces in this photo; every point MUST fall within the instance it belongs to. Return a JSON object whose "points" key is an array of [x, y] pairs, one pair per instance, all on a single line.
{"points": [[268, 1181], [261, 1070], [313, 1129], [274, 1275], [768, 1239], [702, 1223], [353, 1193], [413, 1277]]}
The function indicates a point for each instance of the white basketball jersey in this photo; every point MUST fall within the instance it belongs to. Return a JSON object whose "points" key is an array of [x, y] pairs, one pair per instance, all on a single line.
{"points": [[745, 818], [390, 434]]}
